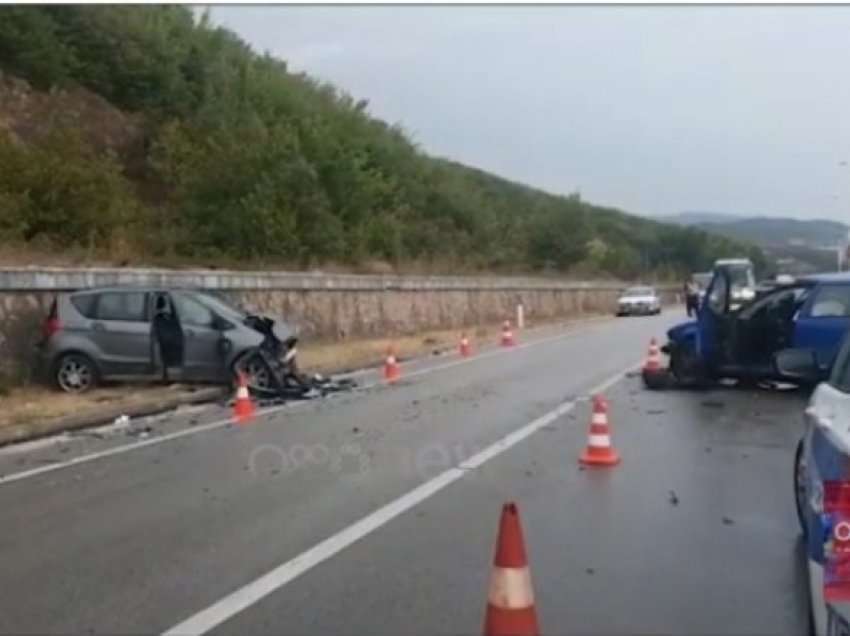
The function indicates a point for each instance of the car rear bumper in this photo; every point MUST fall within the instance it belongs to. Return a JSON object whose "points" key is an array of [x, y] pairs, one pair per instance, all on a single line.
{"points": [[636, 310]]}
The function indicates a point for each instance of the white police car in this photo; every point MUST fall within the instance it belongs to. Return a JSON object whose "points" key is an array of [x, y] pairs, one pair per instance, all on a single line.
{"points": [[822, 488]]}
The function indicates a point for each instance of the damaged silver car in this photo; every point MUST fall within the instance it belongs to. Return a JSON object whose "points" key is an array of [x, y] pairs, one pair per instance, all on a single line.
{"points": [[183, 335]]}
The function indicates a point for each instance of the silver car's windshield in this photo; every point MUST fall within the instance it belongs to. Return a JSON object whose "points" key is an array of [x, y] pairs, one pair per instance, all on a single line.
{"points": [[218, 304], [638, 291]]}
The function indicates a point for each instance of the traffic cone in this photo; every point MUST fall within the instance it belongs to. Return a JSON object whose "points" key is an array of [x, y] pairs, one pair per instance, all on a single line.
{"points": [[392, 371], [243, 408], [599, 450], [653, 358], [510, 600], [465, 349], [507, 335]]}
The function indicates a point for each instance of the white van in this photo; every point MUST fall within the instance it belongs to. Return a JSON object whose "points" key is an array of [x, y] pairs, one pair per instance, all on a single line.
{"points": [[742, 279]]}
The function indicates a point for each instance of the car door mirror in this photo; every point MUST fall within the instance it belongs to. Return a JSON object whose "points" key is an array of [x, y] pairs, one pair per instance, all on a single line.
{"points": [[797, 364]]}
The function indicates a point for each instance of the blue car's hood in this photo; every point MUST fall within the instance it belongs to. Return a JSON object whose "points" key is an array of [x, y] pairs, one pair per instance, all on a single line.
{"points": [[683, 331]]}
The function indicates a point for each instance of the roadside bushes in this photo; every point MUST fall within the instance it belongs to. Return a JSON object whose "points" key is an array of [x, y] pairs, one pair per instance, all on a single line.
{"points": [[62, 193]]}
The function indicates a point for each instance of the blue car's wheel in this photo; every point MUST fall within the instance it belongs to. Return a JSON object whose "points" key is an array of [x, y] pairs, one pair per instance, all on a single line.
{"points": [[686, 366]]}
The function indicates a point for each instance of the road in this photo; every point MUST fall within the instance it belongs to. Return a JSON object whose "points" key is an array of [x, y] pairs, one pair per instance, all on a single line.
{"points": [[376, 512]]}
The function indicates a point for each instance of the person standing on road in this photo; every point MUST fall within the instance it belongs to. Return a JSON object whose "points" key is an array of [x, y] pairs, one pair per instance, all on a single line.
{"points": [[691, 298]]}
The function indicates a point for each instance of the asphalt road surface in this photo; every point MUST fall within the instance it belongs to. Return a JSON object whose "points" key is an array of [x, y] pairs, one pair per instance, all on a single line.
{"points": [[376, 511]]}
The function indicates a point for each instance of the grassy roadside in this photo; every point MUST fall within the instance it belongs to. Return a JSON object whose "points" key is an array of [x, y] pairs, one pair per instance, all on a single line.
{"points": [[35, 403]]}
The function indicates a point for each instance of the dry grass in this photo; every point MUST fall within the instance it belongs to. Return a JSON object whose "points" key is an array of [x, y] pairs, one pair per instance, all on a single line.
{"points": [[329, 357], [34, 403], [343, 356]]}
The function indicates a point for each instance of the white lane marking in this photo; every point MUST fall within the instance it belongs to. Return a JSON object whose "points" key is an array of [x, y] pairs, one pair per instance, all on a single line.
{"points": [[244, 597], [210, 426]]}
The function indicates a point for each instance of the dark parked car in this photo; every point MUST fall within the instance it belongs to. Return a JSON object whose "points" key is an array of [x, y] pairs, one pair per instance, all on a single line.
{"points": [[145, 333]]}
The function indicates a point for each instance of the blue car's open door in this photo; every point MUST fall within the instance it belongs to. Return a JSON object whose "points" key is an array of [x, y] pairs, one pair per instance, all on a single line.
{"points": [[710, 319]]}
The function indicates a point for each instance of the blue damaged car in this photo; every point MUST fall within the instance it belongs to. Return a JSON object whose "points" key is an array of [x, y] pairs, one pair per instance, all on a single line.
{"points": [[740, 340]]}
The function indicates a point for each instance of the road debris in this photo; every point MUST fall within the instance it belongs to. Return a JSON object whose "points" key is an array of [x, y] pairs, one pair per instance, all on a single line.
{"points": [[713, 404], [727, 521], [673, 498]]}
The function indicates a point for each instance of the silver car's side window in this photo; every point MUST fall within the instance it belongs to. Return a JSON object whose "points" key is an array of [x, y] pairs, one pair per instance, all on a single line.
{"points": [[123, 306], [191, 312]]}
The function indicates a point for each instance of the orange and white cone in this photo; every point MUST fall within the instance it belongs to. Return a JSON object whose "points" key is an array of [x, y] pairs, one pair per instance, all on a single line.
{"points": [[392, 371], [510, 600], [599, 451], [653, 358], [507, 335], [243, 408], [465, 348]]}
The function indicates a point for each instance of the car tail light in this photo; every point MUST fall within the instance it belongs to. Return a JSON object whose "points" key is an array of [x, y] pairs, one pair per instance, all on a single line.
{"points": [[52, 324], [836, 508]]}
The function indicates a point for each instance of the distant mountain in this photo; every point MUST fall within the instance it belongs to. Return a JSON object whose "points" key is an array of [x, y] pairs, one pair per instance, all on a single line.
{"points": [[767, 231], [696, 217], [796, 246]]}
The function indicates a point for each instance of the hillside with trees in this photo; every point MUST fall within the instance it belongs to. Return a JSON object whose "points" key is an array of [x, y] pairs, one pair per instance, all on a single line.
{"points": [[200, 150]]}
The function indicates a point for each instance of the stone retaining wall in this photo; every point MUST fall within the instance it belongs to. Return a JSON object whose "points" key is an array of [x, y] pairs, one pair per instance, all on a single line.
{"points": [[326, 306]]}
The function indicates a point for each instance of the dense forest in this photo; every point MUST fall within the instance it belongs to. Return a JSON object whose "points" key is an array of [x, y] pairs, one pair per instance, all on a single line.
{"points": [[246, 162]]}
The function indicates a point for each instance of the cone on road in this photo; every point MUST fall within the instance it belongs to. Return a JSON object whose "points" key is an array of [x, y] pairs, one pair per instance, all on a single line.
{"points": [[465, 348], [654, 375], [507, 335], [243, 408], [510, 599], [599, 451], [653, 359], [392, 371]]}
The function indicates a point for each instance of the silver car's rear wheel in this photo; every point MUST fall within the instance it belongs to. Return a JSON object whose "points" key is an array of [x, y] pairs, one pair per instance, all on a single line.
{"points": [[75, 373]]}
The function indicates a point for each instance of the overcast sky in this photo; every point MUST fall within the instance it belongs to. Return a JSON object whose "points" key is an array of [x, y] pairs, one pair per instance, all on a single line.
{"points": [[652, 109]]}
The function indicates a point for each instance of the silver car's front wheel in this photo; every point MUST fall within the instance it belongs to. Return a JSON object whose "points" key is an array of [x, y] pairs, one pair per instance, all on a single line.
{"points": [[257, 373], [75, 373]]}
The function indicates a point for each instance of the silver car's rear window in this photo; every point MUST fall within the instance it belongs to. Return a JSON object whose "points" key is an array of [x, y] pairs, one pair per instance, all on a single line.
{"points": [[84, 303]]}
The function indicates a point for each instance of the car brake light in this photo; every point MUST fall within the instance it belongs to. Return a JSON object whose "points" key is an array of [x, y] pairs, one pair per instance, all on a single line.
{"points": [[836, 508], [52, 324]]}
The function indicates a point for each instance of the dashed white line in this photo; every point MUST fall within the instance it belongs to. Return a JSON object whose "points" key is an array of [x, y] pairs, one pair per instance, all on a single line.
{"points": [[244, 597]]}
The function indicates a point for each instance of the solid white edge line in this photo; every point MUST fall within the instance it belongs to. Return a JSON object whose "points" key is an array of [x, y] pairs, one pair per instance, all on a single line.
{"points": [[210, 426], [244, 597]]}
